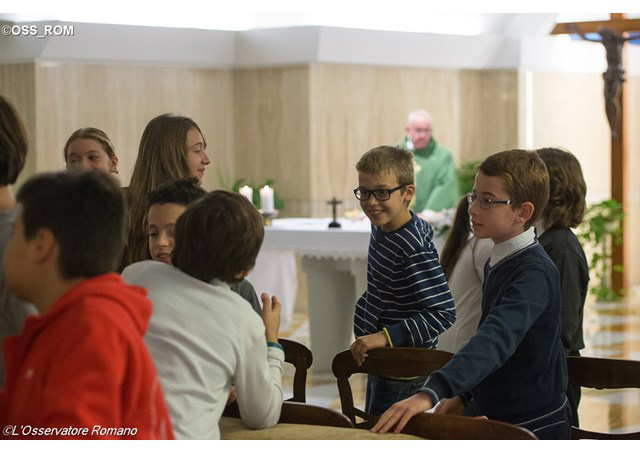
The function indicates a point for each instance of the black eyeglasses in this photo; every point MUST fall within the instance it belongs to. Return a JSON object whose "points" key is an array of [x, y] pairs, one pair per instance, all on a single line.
{"points": [[379, 194], [484, 203]]}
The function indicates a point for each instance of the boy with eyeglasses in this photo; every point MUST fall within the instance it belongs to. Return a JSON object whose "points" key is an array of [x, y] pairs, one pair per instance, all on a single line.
{"points": [[407, 302], [513, 370]]}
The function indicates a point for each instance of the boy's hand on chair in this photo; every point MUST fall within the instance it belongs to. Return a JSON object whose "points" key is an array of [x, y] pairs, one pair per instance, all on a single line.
{"points": [[363, 344], [401, 412], [271, 316], [450, 406]]}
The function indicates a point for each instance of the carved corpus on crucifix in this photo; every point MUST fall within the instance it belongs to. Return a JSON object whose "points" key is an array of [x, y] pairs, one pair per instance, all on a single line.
{"points": [[612, 37], [614, 75]]}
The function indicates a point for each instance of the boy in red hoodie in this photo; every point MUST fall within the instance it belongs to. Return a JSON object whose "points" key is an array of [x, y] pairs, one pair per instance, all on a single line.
{"points": [[80, 369]]}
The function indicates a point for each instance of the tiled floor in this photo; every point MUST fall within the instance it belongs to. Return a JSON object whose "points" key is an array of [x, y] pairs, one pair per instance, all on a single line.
{"points": [[611, 329], [321, 388]]}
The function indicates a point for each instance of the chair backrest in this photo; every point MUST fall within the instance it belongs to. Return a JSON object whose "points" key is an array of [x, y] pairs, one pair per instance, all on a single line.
{"points": [[389, 362], [301, 358], [308, 414], [302, 413], [601, 373], [451, 427]]}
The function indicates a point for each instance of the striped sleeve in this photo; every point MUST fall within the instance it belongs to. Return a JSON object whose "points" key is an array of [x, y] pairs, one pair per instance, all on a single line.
{"points": [[424, 283]]}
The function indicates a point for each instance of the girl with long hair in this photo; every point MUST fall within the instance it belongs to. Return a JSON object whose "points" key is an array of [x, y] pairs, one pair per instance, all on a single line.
{"points": [[462, 260], [171, 147]]}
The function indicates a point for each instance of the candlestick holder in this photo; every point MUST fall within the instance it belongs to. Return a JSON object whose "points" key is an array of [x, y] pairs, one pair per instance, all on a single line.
{"points": [[267, 217]]}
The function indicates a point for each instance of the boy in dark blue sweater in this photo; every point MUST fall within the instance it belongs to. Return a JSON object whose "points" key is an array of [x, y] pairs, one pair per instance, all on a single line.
{"points": [[513, 369], [407, 302]]}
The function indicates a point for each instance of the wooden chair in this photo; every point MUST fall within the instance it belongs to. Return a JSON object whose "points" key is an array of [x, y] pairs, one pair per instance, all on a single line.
{"points": [[407, 362], [302, 413], [308, 414], [301, 358], [451, 427], [600, 373], [395, 362]]}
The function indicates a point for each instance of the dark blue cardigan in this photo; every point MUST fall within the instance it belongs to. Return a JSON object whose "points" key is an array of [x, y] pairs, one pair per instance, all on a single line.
{"points": [[514, 367]]}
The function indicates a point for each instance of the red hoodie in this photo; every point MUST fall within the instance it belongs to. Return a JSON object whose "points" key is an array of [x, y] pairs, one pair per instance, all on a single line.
{"points": [[82, 369]]}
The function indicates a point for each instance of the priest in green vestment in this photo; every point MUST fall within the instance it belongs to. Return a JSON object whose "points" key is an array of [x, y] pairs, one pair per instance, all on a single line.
{"points": [[436, 176]]}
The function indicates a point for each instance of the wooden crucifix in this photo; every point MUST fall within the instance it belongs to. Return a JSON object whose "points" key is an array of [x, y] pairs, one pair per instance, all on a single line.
{"points": [[334, 202], [612, 36]]}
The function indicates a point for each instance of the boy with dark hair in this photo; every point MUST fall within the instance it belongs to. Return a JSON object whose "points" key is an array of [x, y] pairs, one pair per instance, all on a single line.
{"points": [[565, 210], [407, 302], [513, 369], [165, 205], [202, 335], [13, 152], [82, 362]]}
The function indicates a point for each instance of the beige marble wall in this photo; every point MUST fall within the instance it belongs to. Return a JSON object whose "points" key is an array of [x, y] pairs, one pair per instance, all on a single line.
{"points": [[355, 108], [488, 113], [568, 111], [271, 136], [633, 205], [17, 85], [307, 125], [122, 99], [304, 126]]}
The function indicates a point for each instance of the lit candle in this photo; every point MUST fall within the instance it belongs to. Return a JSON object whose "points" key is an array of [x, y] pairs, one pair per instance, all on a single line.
{"points": [[266, 199], [247, 192]]}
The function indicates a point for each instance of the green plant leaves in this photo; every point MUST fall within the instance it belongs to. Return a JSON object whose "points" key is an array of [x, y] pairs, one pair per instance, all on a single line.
{"points": [[467, 175], [599, 231]]}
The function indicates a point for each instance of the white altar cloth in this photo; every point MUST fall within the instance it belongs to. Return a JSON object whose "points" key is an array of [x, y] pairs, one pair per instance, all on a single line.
{"points": [[334, 260], [313, 237]]}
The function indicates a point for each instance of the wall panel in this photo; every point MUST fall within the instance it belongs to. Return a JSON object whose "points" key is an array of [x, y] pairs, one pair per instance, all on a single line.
{"points": [[633, 206], [307, 125], [122, 99], [568, 112], [271, 111], [488, 113], [355, 108]]}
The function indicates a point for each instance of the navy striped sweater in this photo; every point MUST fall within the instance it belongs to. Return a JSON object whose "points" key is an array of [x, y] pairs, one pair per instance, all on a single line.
{"points": [[407, 292]]}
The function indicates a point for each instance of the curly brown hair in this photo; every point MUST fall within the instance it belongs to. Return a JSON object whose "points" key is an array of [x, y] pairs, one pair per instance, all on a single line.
{"points": [[567, 204]]}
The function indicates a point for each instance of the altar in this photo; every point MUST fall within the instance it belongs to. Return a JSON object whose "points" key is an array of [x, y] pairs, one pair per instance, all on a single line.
{"points": [[335, 261]]}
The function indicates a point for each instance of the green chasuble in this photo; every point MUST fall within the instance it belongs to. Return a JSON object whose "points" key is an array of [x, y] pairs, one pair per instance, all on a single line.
{"points": [[436, 178]]}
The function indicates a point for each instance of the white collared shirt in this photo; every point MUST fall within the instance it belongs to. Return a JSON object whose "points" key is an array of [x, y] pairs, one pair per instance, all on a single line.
{"points": [[507, 248]]}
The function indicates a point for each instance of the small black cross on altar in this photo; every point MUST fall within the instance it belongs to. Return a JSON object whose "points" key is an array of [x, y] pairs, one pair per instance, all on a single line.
{"points": [[334, 202]]}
